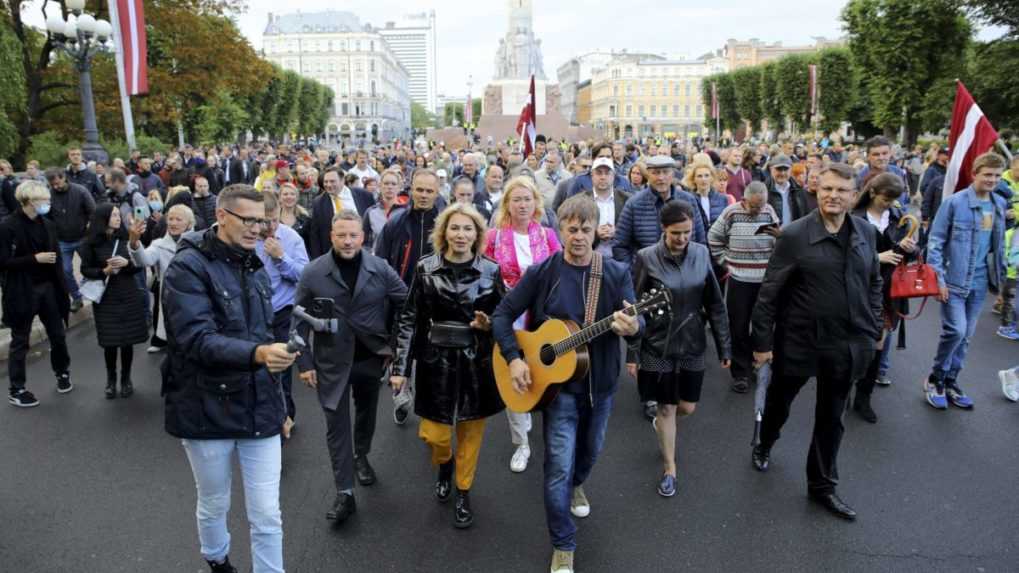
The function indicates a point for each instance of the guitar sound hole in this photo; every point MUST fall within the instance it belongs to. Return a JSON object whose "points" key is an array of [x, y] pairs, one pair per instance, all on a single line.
{"points": [[547, 355]]}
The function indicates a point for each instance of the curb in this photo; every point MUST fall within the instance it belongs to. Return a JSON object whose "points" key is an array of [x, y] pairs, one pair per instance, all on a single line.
{"points": [[38, 335]]}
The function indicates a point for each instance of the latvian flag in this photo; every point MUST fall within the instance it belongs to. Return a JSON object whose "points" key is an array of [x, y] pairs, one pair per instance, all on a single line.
{"points": [[970, 135]]}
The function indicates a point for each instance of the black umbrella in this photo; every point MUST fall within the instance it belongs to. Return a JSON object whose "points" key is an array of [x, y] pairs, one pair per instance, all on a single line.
{"points": [[763, 381]]}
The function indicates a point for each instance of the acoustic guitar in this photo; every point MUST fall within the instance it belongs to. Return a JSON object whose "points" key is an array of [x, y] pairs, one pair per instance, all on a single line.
{"points": [[557, 354]]}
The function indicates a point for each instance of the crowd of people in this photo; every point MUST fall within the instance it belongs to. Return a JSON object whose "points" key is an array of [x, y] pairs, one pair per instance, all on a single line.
{"points": [[410, 265]]}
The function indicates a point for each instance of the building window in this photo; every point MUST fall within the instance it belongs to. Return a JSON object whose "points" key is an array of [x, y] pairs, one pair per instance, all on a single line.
{"points": [[629, 89], [640, 111], [700, 110], [615, 90], [675, 111], [675, 89], [612, 111], [688, 84], [629, 111], [371, 47], [654, 92], [686, 110], [373, 88], [371, 65], [344, 108], [654, 110]]}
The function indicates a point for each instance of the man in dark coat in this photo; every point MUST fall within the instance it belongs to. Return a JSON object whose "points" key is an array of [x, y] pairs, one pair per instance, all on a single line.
{"points": [[818, 313], [78, 172], [71, 209], [336, 198], [364, 293], [406, 237], [784, 194], [33, 285], [221, 375]]}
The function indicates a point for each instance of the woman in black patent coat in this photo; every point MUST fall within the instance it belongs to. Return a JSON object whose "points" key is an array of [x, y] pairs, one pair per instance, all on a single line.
{"points": [[878, 206], [445, 328]]}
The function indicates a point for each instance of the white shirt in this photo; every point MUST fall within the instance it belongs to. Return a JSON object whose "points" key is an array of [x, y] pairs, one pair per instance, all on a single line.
{"points": [[881, 223], [522, 245], [787, 210], [705, 205], [344, 200], [363, 173], [606, 209]]}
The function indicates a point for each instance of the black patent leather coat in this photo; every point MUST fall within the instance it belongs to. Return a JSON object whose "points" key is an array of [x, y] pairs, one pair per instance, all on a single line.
{"points": [[452, 384]]}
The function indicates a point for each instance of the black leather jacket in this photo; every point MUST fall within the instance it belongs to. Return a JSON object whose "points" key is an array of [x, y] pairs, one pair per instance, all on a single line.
{"points": [[678, 334], [453, 384]]}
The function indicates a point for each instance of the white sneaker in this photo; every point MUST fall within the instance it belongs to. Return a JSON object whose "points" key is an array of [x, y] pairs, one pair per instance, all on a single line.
{"points": [[518, 463], [1009, 384], [153, 349], [579, 506]]}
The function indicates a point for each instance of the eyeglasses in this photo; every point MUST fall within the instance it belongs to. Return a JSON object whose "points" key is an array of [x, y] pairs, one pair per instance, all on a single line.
{"points": [[249, 221]]}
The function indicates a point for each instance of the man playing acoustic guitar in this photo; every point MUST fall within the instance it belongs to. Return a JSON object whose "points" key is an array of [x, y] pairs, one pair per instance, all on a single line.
{"points": [[561, 287]]}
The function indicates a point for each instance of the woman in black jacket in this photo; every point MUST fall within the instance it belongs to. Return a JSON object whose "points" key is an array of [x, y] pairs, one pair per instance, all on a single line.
{"points": [[120, 316], [877, 206], [669, 358], [445, 327]]}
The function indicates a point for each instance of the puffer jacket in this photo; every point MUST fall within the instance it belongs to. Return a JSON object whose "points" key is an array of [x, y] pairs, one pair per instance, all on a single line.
{"points": [[453, 384], [639, 226], [217, 305], [678, 334], [71, 211]]}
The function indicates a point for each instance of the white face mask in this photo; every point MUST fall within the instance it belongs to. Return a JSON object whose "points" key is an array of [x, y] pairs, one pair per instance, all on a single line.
{"points": [[42, 208]]}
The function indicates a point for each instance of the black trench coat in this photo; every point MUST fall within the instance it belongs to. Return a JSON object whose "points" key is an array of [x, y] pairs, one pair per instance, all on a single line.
{"points": [[453, 384]]}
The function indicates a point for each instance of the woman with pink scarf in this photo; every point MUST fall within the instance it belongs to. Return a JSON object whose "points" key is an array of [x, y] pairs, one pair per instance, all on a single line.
{"points": [[516, 241]]}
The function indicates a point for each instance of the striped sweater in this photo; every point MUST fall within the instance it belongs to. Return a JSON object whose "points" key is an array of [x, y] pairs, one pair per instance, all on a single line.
{"points": [[735, 244]]}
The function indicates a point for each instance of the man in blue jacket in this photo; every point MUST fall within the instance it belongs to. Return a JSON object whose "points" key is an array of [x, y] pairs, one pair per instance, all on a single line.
{"points": [[576, 420], [638, 224], [966, 248], [221, 376]]}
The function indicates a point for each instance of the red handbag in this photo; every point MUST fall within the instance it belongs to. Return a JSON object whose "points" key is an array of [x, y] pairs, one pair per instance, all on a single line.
{"points": [[914, 280]]}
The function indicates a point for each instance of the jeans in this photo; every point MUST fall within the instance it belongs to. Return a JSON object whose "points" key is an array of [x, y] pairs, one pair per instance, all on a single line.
{"points": [[958, 323], [574, 432], [67, 250], [44, 305], [877, 367], [211, 462]]}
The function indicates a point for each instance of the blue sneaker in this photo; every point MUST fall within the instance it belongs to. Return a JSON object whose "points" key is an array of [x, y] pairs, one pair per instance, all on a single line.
{"points": [[1008, 332], [667, 487], [956, 396], [935, 392]]}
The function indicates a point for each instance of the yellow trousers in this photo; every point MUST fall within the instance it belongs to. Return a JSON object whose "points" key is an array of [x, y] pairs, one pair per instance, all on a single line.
{"points": [[468, 446]]}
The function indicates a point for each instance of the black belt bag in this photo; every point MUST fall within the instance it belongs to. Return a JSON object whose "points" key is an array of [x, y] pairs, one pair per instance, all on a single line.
{"points": [[451, 335]]}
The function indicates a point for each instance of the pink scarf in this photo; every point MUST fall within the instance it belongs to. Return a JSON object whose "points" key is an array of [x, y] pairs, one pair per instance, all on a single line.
{"points": [[502, 248]]}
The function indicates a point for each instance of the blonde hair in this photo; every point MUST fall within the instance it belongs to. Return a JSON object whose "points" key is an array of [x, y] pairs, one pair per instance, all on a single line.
{"points": [[31, 190], [175, 190], [298, 209], [439, 242], [520, 181], [188, 214], [691, 173]]}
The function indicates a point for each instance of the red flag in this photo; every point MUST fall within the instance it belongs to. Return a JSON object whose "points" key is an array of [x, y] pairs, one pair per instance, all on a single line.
{"points": [[527, 124], [970, 135], [131, 24], [714, 100]]}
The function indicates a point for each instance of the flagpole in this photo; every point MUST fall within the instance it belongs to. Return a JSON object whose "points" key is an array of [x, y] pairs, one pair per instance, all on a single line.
{"points": [[1004, 149], [125, 100]]}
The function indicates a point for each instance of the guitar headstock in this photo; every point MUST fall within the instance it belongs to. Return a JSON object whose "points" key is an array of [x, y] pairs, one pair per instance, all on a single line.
{"points": [[654, 299]]}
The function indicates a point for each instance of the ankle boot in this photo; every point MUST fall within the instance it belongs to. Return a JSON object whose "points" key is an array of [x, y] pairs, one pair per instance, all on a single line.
{"points": [[443, 484], [862, 407], [126, 387], [463, 517], [111, 385]]}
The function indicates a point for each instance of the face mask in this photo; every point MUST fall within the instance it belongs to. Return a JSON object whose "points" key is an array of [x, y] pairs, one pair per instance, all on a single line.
{"points": [[42, 209], [156, 205]]}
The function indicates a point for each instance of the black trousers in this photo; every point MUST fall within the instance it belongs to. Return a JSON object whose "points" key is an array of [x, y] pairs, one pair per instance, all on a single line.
{"points": [[44, 305], [740, 298], [364, 384], [281, 332], [834, 381]]}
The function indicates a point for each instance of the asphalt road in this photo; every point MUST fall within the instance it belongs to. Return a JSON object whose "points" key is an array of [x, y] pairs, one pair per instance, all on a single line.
{"points": [[89, 485]]}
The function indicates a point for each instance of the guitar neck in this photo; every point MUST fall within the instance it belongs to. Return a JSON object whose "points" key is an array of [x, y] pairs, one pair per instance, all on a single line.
{"points": [[591, 332]]}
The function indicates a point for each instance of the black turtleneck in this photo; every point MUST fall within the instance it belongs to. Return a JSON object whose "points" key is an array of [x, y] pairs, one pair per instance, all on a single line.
{"points": [[349, 269]]}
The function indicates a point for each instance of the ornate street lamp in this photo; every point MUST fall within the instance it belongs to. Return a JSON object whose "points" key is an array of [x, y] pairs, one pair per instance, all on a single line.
{"points": [[81, 37]]}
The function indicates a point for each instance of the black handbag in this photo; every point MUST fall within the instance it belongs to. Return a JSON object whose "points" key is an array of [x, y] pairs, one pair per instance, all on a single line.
{"points": [[451, 335]]}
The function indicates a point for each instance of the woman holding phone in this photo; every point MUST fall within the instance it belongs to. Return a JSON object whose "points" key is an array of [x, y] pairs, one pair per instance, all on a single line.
{"points": [[120, 312]]}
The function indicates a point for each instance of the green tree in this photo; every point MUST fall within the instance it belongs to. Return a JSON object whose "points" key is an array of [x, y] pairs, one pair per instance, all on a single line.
{"points": [[747, 83], [453, 112], [12, 96], [420, 119], [792, 77], [998, 13], [770, 106], [990, 77], [286, 104], [908, 53], [220, 119], [837, 87], [728, 114], [308, 101]]}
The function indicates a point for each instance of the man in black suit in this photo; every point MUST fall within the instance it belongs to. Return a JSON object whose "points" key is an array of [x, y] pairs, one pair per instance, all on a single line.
{"points": [[241, 169], [336, 198]]}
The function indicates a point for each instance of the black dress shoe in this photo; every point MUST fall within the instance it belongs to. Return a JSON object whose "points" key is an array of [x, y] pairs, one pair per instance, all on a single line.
{"points": [[364, 471], [224, 567], [126, 388], [834, 504], [111, 388], [444, 485], [343, 507], [761, 456], [463, 517], [861, 405]]}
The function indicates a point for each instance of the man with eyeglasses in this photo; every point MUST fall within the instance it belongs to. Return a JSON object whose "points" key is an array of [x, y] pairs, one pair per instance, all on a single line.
{"points": [[221, 376], [283, 255], [830, 256]]}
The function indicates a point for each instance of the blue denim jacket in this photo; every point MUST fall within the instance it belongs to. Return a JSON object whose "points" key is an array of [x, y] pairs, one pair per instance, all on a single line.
{"points": [[952, 246]]}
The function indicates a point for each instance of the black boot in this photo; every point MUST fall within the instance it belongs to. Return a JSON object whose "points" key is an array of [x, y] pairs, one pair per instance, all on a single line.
{"points": [[126, 387], [861, 405], [444, 486], [111, 385], [224, 567], [761, 457], [463, 517]]}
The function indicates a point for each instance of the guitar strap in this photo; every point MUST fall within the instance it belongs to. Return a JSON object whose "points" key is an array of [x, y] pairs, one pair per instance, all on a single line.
{"points": [[593, 289]]}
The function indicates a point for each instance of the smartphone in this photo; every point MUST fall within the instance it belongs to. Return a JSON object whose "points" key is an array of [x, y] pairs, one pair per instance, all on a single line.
{"points": [[141, 212], [764, 228]]}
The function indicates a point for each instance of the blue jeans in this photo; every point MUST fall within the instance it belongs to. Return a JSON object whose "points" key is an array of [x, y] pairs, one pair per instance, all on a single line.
{"points": [[212, 465], [574, 433], [885, 354], [67, 251], [958, 323]]}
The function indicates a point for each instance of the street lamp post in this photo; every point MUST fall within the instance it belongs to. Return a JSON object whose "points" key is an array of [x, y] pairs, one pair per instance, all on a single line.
{"points": [[81, 37]]}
